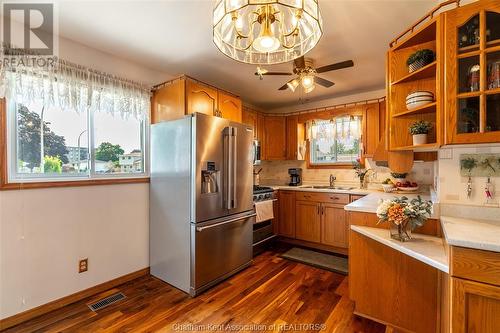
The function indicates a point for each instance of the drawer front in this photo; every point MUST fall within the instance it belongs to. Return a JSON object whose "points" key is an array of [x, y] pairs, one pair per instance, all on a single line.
{"points": [[335, 198], [477, 265]]}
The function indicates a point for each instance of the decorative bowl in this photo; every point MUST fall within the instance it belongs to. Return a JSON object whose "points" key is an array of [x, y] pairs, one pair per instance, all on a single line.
{"points": [[408, 189]]}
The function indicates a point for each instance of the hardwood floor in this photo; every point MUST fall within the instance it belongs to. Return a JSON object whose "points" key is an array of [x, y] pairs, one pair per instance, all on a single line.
{"points": [[272, 295]]}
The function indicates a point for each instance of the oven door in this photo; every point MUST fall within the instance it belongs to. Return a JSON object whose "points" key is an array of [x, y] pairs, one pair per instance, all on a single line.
{"points": [[221, 248]]}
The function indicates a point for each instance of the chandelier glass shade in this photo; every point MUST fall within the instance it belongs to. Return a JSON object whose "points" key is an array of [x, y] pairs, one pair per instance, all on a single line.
{"points": [[266, 31]]}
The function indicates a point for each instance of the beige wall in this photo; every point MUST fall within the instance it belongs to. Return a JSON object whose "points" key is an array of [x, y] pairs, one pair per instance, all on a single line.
{"points": [[276, 173], [44, 232], [452, 186]]}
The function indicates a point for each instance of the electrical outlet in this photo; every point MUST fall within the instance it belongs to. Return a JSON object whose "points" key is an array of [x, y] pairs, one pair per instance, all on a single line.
{"points": [[83, 265]]}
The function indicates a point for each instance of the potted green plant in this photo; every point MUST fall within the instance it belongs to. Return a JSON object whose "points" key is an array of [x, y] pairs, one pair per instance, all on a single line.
{"points": [[419, 130], [399, 177], [419, 59]]}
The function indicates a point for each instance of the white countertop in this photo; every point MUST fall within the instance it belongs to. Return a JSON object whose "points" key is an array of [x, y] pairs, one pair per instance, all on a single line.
{"points": [[472, 233], [309, 188], [369, 203], [427, 249]]}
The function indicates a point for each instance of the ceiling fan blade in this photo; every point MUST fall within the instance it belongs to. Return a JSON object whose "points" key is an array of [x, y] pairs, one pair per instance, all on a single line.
{"points": [[274, 73], [284, 87], [333, 67], [323, 82], [300, 62]]}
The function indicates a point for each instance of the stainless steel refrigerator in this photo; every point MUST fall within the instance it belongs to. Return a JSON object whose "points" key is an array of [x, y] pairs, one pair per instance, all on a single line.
{"points": [[201, 209]]}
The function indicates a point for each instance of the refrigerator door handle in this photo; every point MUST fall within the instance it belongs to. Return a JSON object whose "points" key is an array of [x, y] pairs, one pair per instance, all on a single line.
{"points": [[227, 168], [199, 229], [234, 138]]}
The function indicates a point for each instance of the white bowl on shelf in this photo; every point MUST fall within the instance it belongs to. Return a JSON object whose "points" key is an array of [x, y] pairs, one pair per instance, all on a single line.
{"points": [[418, 99]]}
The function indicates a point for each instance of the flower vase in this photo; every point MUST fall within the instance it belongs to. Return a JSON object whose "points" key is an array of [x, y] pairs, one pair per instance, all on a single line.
{"points": [[362, 184], [400, 232]]}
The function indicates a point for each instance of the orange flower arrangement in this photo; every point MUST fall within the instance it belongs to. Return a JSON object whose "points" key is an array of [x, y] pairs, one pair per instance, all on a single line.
{"points": [[396, 214]]}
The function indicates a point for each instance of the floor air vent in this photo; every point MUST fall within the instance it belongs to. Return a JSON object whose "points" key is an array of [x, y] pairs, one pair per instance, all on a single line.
{"points": [[106, 301]]}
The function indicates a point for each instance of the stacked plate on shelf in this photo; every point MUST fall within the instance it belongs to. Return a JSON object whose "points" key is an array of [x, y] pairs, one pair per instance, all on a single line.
{"points": [[419, 98]]}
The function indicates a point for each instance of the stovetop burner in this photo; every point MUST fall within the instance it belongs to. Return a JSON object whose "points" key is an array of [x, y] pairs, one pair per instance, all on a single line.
{"points": [[261, 189]]}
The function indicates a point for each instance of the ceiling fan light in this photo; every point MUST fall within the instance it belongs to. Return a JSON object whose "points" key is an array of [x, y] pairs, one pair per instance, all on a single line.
{"points": [[307, 81], [309, 89], [292, 85]]}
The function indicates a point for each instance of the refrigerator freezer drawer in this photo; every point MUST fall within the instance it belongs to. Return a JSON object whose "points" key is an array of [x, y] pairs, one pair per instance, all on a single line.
{"points": [[221, 248]]}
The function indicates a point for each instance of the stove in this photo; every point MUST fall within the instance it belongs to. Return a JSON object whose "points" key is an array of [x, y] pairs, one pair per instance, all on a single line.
{"points": [[261, 193], [263, 232]]}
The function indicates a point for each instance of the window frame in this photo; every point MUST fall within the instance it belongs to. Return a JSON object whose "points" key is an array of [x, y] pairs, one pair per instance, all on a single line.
{"points": [[10, 179], [342, 164]]}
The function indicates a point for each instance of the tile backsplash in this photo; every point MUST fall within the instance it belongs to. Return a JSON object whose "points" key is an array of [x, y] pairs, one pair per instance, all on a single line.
{"points": [[452, 186], [276, 172]]}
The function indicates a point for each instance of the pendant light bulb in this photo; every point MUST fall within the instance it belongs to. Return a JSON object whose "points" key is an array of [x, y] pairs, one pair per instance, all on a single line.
{"points": [[292, 85], [307, 81]]}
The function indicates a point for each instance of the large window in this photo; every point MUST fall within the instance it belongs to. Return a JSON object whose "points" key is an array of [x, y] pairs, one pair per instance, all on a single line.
{"points": [[47, 143], [336, 141]]}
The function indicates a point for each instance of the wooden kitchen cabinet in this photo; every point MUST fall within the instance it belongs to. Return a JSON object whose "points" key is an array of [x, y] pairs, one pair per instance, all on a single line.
{"points": [[229, 106], [291, 137], [274, 137], [472, 65], [475, 307], [334, 225], [182, 96], [308, 221], [249, 117], [167, 102], [200, 98], [287, 213]]}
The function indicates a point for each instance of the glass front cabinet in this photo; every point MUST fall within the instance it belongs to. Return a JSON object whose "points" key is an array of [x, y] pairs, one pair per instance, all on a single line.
{"points": [[472, 35]]}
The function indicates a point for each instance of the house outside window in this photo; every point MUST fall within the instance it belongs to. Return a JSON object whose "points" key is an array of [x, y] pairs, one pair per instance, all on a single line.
{"points": [[67, 140], [335, 141]]}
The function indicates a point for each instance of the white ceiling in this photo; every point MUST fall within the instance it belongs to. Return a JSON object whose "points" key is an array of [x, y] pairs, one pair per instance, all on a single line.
{"points": [[175, 37]]}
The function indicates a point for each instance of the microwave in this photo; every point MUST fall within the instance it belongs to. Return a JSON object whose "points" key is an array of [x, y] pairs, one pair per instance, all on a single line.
{"points": [[256, 152]]}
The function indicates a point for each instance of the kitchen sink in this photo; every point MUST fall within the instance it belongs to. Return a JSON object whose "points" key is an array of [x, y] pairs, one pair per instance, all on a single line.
{"points": [[327, 187]]}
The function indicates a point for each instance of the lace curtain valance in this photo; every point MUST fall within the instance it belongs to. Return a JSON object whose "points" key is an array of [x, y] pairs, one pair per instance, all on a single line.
{"points": [[73, 87]]}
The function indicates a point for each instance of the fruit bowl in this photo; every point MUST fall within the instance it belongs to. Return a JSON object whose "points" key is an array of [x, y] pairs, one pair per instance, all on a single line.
{"points": [[408, 189]]}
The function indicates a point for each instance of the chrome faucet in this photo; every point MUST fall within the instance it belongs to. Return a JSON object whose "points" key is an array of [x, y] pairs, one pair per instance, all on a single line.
{"points": [[332, 180]]}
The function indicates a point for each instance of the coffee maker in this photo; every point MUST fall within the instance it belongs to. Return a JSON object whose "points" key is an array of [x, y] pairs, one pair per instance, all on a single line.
{"points": [[295, 176]]}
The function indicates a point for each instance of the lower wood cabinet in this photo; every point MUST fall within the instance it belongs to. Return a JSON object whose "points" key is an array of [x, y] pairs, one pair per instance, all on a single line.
{"points": [[315, 218], [475, 307], [287, 214], [308, 221], [334, 226]]}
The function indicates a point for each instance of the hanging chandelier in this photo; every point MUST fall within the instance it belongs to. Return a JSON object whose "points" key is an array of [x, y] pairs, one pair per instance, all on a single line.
{"points": [[266, 31]]}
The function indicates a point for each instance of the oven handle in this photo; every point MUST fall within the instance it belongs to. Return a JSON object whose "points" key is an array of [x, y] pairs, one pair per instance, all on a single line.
{"points": [[199, 229]]}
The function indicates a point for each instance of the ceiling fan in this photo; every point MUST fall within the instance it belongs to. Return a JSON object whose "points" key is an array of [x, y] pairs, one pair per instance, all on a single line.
{"points": [[306, 74]]}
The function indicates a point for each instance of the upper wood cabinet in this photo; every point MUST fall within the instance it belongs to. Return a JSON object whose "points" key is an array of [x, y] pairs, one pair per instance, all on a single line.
{"points": [[167, 103], [249, 117], [473, 73], [182, 96], [229, 106], [274, 144], [401, 82], [200, 98], [292, 137]]}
